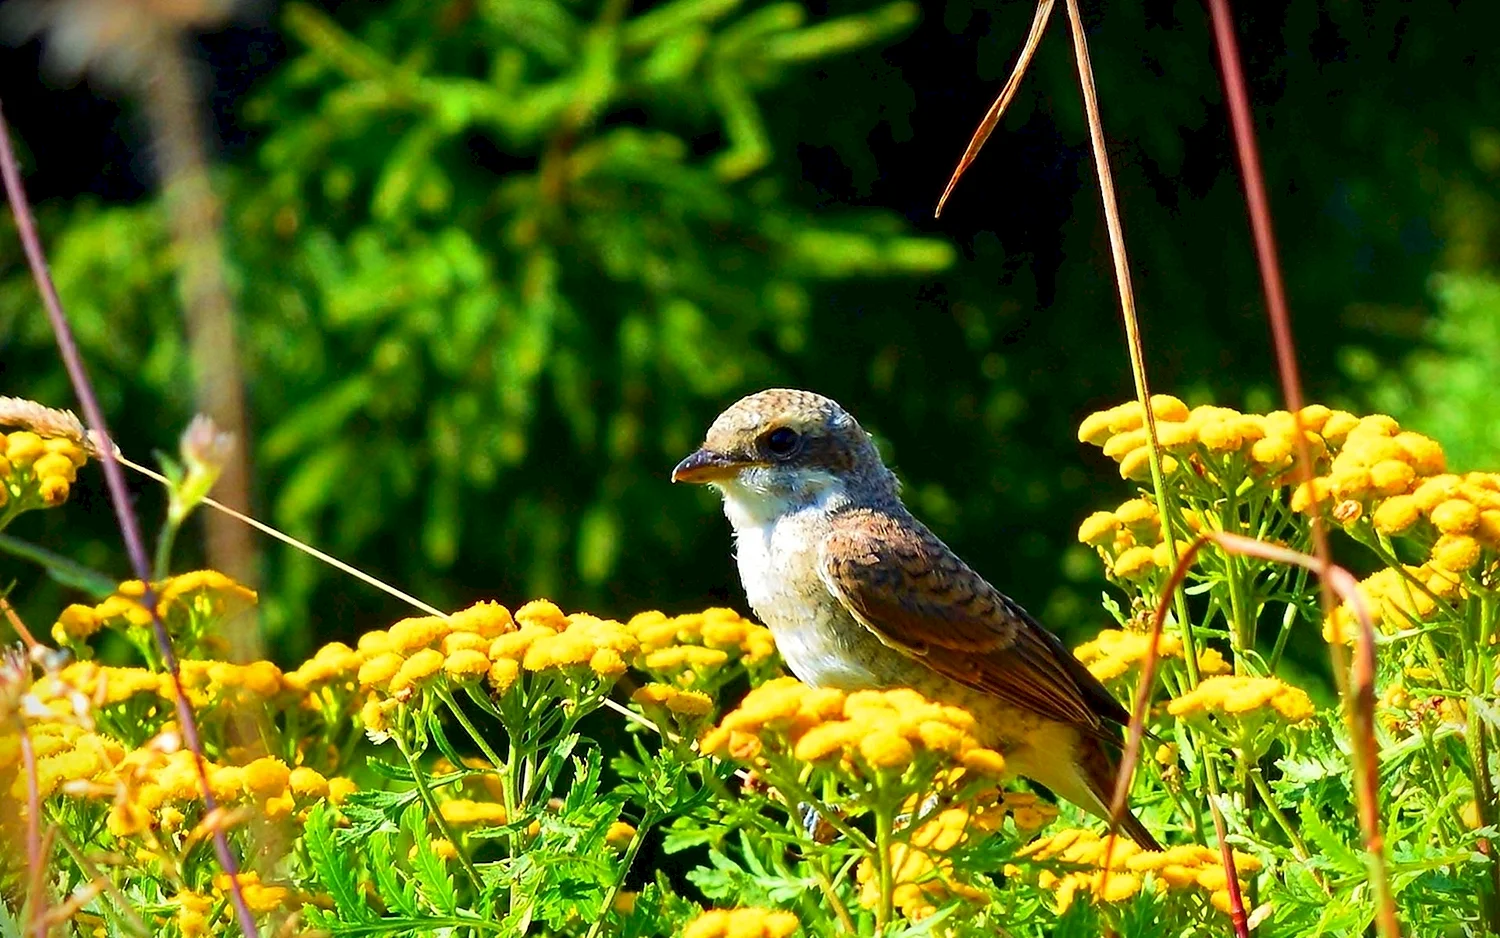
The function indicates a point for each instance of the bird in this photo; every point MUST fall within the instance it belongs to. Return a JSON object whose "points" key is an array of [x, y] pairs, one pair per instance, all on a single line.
{"points": [[860, 595]]}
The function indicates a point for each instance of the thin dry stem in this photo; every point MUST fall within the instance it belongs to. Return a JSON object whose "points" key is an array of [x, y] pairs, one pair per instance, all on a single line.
{"points": [[21, 630], [130, 530], [1360, 697], [305, 548], [997, 110], [36, 864]]}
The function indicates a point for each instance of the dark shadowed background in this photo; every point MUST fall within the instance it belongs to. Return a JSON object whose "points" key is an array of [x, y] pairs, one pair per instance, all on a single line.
{"points": [[497, 263]]}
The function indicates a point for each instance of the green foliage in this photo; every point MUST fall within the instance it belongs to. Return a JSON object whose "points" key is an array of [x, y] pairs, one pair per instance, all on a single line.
{"points": [[545, 263]]}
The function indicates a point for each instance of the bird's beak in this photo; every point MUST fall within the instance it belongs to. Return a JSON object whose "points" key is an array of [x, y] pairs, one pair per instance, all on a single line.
{"points": [[705, 465]]}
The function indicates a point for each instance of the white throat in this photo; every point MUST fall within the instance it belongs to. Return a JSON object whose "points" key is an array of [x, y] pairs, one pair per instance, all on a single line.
{"points": [[755, 502]]}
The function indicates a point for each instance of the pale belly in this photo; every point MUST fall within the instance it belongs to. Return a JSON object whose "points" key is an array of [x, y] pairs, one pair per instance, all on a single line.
{"points": [[825, 646]]}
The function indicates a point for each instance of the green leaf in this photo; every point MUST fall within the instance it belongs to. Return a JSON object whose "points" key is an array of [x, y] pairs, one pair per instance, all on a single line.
{"points": [[434, 880], [332, 866]]}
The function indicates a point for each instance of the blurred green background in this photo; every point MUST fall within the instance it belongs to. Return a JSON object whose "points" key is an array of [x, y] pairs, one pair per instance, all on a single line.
{"points": [[498, 263]]}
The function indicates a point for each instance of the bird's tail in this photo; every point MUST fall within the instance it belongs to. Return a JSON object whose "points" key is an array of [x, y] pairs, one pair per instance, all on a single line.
{"points": [[1100, 769]]}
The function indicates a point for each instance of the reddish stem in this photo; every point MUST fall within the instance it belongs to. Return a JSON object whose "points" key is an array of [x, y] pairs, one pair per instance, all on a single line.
{"points": [[115, 479], [36, 865], [1360, 696]]}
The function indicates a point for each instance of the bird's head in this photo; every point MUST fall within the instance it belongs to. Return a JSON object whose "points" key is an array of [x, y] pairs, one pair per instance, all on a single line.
{"points": [[782, 449]]}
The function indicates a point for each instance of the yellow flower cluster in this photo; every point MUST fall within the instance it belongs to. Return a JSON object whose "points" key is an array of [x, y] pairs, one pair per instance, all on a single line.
{"points": [[692, 650], [682, 705], [1114, 653], [865, 731], [1373, 459], [37, 471], [202, 596], [1396, 600], [482, 641], [207, 683], [1078, 861], [463, 812], [65, 751], [1267, 444], [199, 914], [1129, 539], [985, 813], [154, 790], [1244, 697], [1460, 513], [923, 882], [742, 923]]}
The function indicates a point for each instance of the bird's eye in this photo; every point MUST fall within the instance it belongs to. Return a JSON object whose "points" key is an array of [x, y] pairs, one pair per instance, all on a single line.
{"points": [[783, 441]]}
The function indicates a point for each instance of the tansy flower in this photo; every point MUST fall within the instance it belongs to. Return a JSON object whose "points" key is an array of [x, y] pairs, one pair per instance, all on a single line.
{"points": [[922, 882], [865, 732], [1396, 600], [619, 835], [379, 669], [487, 619], [542, 612], [466, 664], [693, 650], [1073, 863], [307, 783], [464, 813], [416, 633], [1240, 696], [1113, 653], [682, 703], [420, 666], [741, 923]]}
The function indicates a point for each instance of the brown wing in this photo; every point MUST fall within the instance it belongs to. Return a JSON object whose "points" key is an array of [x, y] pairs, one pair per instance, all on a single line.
{"points": [[904, 584]]}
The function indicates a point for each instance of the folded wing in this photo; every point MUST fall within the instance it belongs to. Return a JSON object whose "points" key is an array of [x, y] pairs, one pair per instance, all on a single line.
{"points": [[904, 584]]}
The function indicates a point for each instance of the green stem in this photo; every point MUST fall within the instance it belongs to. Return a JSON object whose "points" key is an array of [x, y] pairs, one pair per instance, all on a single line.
{"points": [[647, 821], [825, 882], [162, 565], [1299, 846], [1484, 804], [436, 814], [884, 823], [1287, 620]]}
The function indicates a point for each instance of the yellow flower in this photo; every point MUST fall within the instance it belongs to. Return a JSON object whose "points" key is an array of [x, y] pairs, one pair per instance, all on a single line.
{"points": [[340, 788], [463, 812], [462, 640], [466, 664], [503, 674], [1235, 695], [741, 923], [307, 783], [1097, 529], [1134, 563], [619, 835], [1112, 653], [1392, 477], [23, 447], [418, 667], [687, 703], [265, 777], [1455, 516], [417, 633], [379, 670], [883, 749], [488, 619], [542, 612], [1455, 553], [1396, 515]]}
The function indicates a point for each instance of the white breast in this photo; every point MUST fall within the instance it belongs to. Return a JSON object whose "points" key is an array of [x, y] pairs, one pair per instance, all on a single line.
{"points": [[777, 554]]}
